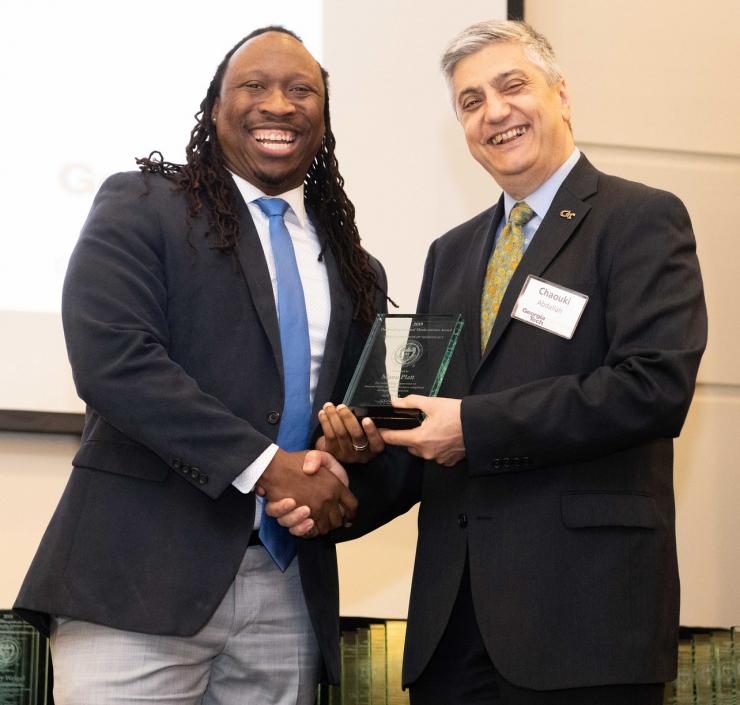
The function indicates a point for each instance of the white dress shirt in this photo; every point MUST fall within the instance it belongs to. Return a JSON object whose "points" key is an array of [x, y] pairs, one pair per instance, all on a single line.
{"points": [[315, 281]]}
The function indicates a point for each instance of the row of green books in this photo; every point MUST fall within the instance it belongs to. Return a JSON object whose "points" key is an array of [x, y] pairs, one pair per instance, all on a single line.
{"points": [[372, 654], [708, 669], [371, 659]]}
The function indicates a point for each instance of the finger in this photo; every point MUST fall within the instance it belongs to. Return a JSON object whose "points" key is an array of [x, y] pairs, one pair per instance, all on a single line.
{"points": [[355, 430], [399, 438], [295, 517], [306, 529], [312, 461], [330, 463], [337, 424], [326, 427], [412, 401], [260, 490], [321, 524], [343, 511], [377, 444], [321, 442], [280, 507], [339, 472], [335, 516], [350, 504]]}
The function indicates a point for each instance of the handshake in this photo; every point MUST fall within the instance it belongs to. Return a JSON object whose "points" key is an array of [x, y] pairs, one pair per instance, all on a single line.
{"points": [[308, 492]]}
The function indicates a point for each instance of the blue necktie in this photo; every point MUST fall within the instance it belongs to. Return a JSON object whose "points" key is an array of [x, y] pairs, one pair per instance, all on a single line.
{"points": [[295, 421]]}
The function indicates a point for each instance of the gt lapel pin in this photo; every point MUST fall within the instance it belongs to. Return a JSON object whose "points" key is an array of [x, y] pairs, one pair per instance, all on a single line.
{"points": [[567, 214]]}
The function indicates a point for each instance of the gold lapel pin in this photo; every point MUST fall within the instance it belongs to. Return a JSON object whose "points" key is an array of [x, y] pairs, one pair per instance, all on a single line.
{"points": [[567, 214]]}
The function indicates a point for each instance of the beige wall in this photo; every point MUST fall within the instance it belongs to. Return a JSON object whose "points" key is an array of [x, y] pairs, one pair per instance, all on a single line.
{"points": [[656, 99], [33, 472]]}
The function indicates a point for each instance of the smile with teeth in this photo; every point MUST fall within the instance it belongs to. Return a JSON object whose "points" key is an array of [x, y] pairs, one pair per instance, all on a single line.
{"points": [[276, 140], [509, 135]]}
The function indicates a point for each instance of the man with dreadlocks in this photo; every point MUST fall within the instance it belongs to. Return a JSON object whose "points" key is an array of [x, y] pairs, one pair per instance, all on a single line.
{"points": [[210, 310]]}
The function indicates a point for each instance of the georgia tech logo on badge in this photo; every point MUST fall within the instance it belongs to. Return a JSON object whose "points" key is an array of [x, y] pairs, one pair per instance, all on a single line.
{"points": [[567, 214], [10, 651], [409, 353]]}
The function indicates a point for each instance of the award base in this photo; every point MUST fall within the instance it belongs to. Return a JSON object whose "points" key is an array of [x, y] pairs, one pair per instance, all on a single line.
{"points": [[388, 417]]}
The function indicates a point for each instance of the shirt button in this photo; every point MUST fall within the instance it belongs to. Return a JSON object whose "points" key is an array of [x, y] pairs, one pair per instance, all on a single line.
{"points": [[273, 417], [462, 520]]}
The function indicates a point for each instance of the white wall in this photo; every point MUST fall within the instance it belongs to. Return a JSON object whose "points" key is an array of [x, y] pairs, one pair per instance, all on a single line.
{"points": [[396, 139]]}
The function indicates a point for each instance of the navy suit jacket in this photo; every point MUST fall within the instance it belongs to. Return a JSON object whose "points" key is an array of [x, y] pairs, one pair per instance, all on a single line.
{"points": [[175, 349]]}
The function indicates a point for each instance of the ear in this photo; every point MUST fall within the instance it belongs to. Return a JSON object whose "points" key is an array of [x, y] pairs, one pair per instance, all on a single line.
{"points": [[564, 98], [216, 109]]}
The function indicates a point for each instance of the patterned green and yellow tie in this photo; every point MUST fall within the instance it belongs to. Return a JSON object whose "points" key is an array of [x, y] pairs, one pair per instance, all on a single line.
{"points": [[502, 265]]}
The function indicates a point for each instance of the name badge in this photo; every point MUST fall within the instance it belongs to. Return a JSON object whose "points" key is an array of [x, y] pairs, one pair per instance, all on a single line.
{"points": [[548, 306]]}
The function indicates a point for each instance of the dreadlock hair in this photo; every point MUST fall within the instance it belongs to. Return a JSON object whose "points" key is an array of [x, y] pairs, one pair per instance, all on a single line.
{"points": [[206, 182]]}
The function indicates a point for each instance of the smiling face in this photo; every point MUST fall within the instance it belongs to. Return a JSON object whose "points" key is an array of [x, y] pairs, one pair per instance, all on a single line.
{"points": [[516, 125], [269, 114]]}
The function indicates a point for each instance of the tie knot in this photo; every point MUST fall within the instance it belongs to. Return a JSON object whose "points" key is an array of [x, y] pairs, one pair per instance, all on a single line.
{"points": [[272, 206], [521, 214]]}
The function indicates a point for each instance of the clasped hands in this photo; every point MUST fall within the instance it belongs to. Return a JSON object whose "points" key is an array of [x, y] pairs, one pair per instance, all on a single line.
{"points": [[345, 440]]}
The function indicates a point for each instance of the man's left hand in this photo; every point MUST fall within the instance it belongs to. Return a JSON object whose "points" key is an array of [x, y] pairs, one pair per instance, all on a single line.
{"points": [[440, 436]]}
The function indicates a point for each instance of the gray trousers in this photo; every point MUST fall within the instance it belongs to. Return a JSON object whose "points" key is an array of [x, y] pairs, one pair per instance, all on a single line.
{"points": [[258, 649]]}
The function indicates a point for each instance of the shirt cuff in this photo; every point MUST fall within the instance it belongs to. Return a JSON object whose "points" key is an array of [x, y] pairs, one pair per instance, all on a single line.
{"points": [[246, 481]]}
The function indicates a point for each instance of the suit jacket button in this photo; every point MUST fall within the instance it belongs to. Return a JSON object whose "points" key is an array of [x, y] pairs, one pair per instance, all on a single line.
{"points": [[177, 463], [462, 520], [517, 462], [507, 462], [273, 417], [194, 473], [203, 479]]}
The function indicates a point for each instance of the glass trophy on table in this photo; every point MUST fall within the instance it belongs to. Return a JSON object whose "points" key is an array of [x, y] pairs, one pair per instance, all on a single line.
{"points": [[404, 354]]}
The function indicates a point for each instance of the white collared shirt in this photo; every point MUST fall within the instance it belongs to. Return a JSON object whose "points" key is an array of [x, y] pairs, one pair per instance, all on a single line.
{"points": [[315, 281]]}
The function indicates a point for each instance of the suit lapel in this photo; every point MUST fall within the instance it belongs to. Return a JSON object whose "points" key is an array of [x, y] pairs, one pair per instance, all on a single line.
{"points": [[474, 272], [339, 323], [254, 269], [552, 234]]}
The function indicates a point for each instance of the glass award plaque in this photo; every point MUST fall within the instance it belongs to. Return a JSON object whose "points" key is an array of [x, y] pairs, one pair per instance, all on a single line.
{"points": [[404, 354], [19, 657]]}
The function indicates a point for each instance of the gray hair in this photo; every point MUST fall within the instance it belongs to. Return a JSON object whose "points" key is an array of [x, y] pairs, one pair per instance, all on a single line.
{"points": [[482, 34]]}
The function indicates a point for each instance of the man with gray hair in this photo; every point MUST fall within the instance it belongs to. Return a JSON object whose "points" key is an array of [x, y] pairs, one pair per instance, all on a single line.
{"points": [[546, 565]]}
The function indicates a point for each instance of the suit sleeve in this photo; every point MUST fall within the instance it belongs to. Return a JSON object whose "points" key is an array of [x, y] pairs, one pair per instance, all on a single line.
{"points": [[114, 310], [655, 322]]}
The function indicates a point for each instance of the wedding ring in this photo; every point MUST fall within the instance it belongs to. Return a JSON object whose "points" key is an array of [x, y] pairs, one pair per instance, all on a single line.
{"points": [[361, 448]]}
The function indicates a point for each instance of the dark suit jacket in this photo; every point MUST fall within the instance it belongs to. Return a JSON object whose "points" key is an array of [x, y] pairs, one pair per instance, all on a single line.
{"points": [[175, 348], [564, 503]]}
